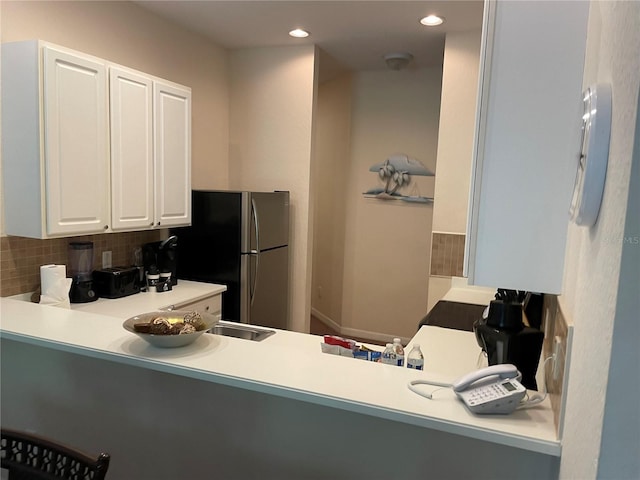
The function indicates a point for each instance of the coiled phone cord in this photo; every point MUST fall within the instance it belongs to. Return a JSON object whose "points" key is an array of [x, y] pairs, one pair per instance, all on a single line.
{"points": [[412, 386]]}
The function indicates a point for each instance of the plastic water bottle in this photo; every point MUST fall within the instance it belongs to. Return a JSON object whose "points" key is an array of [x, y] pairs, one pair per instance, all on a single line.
{"points": [[415, 359], [389, 355], [397, 347]]}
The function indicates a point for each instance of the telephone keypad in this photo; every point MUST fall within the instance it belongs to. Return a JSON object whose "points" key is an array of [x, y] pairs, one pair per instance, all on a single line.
{"points": [[489, 398]]}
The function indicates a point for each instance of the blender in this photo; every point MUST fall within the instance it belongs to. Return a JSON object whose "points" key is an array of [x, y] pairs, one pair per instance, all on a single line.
{"points": [[81, 272]]}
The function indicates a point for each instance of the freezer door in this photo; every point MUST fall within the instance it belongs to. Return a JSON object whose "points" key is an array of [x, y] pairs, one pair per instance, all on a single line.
{"points": [[266, 220], [268, 288], [209, 250]]}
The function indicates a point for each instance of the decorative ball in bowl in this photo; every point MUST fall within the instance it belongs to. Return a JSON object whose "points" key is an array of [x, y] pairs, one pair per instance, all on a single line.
{"points": [[170, 329]]}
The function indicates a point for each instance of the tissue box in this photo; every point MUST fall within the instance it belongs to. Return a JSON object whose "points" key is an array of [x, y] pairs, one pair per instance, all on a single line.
{"points": [[336, 350]]}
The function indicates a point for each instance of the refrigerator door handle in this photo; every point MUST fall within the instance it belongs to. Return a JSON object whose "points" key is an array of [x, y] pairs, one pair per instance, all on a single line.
{"points": [[256, 223], [254, 281], [255, 253]]}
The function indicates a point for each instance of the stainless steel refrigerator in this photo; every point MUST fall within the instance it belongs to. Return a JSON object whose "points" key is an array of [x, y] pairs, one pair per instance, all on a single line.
{"points": [[240, 239]]}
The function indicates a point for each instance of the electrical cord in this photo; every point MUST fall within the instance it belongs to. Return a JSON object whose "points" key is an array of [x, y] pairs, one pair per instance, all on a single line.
{"points": [[538, 398], [482, 356]]}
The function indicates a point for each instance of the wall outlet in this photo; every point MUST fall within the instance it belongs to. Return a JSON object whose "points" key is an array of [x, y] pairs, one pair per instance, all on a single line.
{"points": [[106, 259], [558, 360]]}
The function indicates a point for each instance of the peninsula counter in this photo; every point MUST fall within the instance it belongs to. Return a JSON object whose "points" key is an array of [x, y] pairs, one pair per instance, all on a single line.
{"points": [[270, 408]]}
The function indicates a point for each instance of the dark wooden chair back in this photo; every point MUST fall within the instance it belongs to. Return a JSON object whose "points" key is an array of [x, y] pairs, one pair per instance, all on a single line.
{"points": [[27, 456]]}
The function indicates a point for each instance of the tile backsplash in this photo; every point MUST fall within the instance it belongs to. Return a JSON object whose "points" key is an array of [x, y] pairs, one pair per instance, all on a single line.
{"points": [[447, 254], [556, 326], [20, 258]]}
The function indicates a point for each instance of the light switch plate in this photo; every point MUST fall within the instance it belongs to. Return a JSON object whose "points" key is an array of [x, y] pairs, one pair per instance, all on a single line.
{"points": [[106, 259], [557, 340]]}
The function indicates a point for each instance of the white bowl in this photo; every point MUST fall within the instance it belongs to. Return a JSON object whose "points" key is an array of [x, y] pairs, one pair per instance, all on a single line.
{"points": [[168, 340]]}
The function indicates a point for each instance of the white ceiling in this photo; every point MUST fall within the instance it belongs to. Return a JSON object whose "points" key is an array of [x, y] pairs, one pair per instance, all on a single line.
{"points": [[356, 33]]}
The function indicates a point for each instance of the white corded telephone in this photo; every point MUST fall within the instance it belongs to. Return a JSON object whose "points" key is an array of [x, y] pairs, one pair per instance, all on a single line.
{"points": [[494, 389], [483, 393]]}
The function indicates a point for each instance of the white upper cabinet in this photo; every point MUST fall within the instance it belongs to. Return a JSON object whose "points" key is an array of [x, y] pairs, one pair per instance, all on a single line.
{"points": [[131, 100], [89, 146], [150, 151], [172, 122], [527, 142], [55, 141]]}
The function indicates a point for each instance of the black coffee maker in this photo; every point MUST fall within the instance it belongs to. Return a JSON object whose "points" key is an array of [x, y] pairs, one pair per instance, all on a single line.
{"points": [[161, 257], [505, 337]]}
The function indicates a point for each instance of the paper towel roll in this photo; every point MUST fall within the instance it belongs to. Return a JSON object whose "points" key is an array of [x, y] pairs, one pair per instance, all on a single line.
{"points": [[54, 286], [50, 275]]}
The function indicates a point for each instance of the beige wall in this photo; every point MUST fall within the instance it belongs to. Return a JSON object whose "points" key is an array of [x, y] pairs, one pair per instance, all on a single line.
{"points": [[387, 243], [456, 132], [124, 33], [332, 149], [594, 278], [271, 131], [455, 142]]}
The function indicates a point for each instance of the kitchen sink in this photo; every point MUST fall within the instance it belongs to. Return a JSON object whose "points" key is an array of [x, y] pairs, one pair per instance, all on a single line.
{"points": [[239, 330]]}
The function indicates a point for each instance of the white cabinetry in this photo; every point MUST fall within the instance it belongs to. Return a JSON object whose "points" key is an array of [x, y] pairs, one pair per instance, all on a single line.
{"points": [[212, 305], [172, 126], [90, 146], [55, 141], [150, 151], [527, 138], [131, 97]]}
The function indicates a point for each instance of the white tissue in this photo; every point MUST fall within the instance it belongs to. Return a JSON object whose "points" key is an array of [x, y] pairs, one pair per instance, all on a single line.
{"points": [[54, 286]]}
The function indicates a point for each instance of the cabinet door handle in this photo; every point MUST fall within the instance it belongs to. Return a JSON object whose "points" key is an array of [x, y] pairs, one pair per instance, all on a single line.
{"points": [[151, 224], [106, 227], [158, 223], [206, 309]]}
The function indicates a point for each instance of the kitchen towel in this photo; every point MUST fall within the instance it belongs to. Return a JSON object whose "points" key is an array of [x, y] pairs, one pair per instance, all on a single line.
{"points": [[54, 286]]}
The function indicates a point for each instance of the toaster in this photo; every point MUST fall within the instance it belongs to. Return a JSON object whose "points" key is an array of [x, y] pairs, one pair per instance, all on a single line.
{"points": [[116, 282]]}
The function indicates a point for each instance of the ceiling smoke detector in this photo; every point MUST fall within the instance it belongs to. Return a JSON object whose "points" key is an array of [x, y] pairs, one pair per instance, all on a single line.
{"points": [[398, 61]]}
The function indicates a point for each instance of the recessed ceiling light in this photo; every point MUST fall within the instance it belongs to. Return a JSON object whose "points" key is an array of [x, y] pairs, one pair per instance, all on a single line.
{"points": [[299, 33], [432, 20]]}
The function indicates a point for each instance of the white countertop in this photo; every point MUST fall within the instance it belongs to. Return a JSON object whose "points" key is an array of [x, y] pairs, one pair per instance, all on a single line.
{"points": [[184, 292], [461, 292], [291, 365]]}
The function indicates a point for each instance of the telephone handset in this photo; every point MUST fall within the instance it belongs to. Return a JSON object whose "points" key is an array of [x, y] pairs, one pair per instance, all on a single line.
{"points": [[503, 371], [482, 392]]}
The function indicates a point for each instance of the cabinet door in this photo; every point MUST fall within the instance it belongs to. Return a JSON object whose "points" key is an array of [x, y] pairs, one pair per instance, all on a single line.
{"points": [[527, 140], [211, 305], [75, 144], [131, 97], [172, 124]]}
